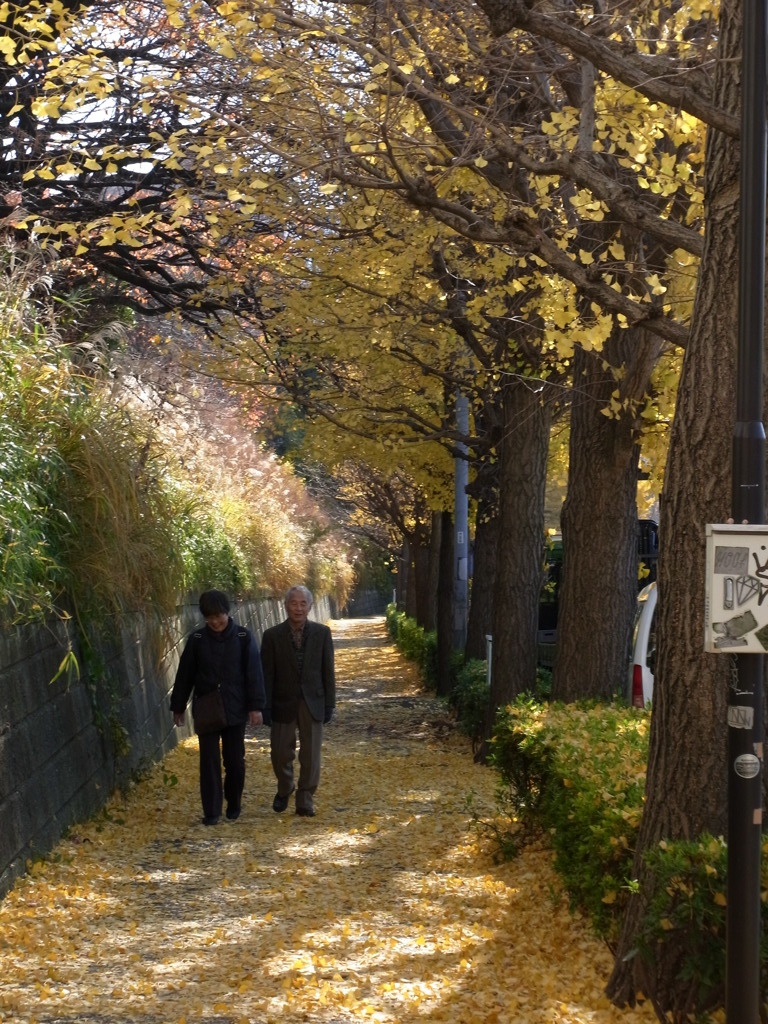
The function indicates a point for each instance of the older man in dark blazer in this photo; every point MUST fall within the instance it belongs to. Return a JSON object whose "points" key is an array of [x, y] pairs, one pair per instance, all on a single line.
{"points": [[297, 657]]}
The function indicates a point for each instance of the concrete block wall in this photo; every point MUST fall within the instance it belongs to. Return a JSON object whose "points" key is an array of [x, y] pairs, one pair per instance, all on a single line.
{"points": [[61, 757]]}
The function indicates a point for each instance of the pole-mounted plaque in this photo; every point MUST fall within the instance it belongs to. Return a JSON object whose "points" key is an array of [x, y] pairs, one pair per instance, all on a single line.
{"points": [[736, 615]]}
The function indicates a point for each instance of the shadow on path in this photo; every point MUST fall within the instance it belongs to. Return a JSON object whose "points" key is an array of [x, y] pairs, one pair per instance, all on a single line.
{"points": [[384, 907]]}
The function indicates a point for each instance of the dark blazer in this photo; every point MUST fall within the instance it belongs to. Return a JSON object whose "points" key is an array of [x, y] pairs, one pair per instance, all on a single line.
{"points": [[316, 682]]}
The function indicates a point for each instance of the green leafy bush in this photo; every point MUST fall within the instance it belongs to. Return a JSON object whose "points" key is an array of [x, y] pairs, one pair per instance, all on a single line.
{"points": [[392, 619], [578, 771], [428, 659], [690, 901], [469, 699], [471, 693], [415, 643], [411, 639]]}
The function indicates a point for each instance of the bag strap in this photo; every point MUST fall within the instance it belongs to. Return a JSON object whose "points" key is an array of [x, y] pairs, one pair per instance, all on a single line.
{"points": [[245, 645]]}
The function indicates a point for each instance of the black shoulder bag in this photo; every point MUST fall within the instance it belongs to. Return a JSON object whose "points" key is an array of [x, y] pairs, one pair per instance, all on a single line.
{"points": [[208, 712]]}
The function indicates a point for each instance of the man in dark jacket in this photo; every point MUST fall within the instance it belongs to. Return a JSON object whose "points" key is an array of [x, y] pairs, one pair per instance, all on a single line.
{"points": [[225, 655], [297, 657]]}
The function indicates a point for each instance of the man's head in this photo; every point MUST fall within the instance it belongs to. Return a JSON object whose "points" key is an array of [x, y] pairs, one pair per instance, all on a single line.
{"points": [[214, 607], [298, 602]]}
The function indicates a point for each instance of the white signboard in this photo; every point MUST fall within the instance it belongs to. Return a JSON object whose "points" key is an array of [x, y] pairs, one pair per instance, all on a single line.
{"points": [[736, 609]]}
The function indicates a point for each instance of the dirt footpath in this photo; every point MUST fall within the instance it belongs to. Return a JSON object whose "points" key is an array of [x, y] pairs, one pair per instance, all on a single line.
{"points": [[384, 907]]}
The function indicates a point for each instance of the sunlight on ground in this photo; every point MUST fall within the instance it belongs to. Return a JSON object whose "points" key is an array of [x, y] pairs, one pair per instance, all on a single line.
{"points": [[382, 908]]}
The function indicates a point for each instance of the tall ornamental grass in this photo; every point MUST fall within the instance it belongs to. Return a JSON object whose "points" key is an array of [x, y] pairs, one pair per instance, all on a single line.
{"points": [[104, 508], [86, 522]]}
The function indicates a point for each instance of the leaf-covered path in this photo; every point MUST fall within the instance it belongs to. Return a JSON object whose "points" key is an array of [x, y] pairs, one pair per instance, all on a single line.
{"points": [[384, 907]]}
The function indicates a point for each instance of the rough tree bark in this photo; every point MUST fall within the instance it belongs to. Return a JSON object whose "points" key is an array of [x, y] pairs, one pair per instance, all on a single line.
{"points": [[480, 623], [445, 605], [686, 778], [409, 582], [424, 598], [522, 476], [599, 522], [435, 541]]}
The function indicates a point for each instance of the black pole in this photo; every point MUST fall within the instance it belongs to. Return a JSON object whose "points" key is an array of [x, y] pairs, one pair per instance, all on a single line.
{"points": [[745, 699]]}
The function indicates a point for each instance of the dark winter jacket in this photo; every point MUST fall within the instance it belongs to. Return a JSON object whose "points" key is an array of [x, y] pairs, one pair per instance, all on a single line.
{"points": [[229, 659]]}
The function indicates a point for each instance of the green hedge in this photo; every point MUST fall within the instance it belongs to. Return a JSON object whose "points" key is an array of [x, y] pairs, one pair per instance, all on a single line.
{"points": [[416, 643], [469, 699], [578, 772]]}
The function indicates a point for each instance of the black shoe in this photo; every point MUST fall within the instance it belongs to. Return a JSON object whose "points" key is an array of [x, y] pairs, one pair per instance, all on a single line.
{"points": [[233, 813], [306, 812], [211, 821], [280, 802]]}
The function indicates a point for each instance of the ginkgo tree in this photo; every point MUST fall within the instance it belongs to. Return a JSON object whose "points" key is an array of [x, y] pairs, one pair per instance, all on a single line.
{"points": [[475, 172], [575, 184], [131, 179], [377, 331], [367, 358], [108, 162], [271, 147], [567, 139]]}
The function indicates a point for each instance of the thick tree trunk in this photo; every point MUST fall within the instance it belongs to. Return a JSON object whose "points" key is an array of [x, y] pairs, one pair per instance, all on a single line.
{"points": [[480, 622], [410, 579], [522, 477], [425, 609], [435, 541], [445, 605], [599, 524], [686, 779]]}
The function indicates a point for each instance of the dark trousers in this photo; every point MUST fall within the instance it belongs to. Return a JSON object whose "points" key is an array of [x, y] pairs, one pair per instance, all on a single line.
{"points": [[229, 746]]}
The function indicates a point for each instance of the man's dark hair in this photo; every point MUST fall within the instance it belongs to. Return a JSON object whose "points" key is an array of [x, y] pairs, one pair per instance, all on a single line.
{"points": [[213, 602]]}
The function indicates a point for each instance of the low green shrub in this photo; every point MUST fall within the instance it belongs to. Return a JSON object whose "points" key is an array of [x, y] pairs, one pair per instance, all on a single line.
{"points": [[688, 915], [521, 759], [578, 771], [469, 699], [543, 688], [428, 659], [411, 640], [471, 693], [414, 642], [392, 619]]}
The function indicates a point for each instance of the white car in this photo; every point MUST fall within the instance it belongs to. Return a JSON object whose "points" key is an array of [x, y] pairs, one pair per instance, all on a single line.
{"points": [[643, 662]]}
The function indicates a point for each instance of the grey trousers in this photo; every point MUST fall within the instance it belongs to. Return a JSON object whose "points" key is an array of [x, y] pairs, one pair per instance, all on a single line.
{"points": [[283, 752]]}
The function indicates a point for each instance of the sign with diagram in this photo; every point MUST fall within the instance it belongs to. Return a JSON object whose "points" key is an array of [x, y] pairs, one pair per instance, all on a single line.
{"points": [[736, 609]]}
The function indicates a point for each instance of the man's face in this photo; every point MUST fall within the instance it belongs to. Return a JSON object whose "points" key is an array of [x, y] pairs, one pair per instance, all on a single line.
{"points": [[297, 607], [218, 622]]}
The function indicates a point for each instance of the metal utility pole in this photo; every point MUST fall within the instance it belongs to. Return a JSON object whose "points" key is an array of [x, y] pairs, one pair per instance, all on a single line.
{"points": [[461, 531], [745, 699]]}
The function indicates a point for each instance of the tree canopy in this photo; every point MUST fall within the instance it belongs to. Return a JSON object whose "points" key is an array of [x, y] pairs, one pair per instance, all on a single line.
{"points": [[377, 206]]}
